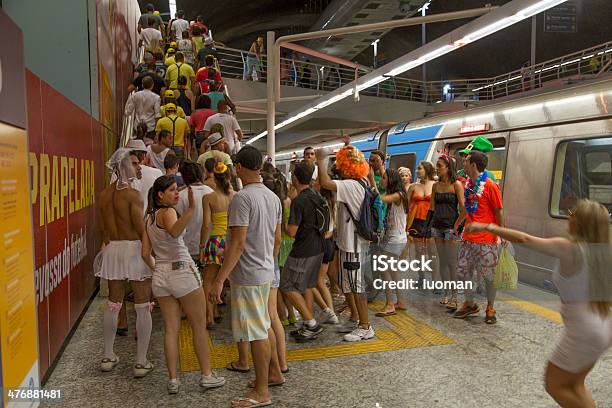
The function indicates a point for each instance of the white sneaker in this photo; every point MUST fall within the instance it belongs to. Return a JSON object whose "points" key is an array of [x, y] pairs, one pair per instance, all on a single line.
{"points": [[107, 364], [211, 381], [360, 334], [348, 326], [142, 370], [329, 317], [173, 386]]}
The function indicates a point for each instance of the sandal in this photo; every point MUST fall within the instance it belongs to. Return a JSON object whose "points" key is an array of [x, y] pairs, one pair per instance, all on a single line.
{"points": [[232, 367], [444, 300], [253, 403], [398, 307], [385, 313], [251, 384]]}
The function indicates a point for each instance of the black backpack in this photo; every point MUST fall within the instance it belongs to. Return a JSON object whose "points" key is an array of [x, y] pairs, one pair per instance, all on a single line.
{"points": [[369, 226], [322, 213], [184, 102]]}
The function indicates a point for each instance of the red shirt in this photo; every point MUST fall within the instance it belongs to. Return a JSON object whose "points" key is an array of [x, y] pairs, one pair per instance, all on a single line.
{"points": [[198, 118], [488, 202], [202, 79]]}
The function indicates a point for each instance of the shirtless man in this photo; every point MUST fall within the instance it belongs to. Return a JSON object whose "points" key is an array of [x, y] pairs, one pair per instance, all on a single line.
{"points": [[120, 260]]}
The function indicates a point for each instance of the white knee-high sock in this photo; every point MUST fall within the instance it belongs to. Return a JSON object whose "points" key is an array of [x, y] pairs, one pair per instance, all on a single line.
{"points": [[111, 315], [144, 324]]}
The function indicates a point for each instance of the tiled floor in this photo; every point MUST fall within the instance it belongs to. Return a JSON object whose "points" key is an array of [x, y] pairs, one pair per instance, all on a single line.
{"points": [[421, 359]]}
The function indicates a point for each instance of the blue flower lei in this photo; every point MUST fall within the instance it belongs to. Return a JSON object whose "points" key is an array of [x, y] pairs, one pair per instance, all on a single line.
{"points": [[473, 193]]}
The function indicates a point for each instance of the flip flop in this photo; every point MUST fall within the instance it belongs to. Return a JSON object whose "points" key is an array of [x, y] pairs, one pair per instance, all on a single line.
{"points": [[285, 371], [232, 367], [251, 384], [400, 308], [254, 403], [384, 314]]}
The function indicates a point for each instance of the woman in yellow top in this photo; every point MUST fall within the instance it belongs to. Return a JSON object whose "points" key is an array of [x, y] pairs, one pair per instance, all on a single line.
{"points": [[214, 228]]}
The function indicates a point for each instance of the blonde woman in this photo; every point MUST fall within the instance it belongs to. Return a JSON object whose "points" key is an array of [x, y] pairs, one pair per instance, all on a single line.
{"points": [[584, 283]]}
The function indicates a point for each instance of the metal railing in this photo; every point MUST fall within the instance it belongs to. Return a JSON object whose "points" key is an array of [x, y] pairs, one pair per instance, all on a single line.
{"points": [[321, 75]]}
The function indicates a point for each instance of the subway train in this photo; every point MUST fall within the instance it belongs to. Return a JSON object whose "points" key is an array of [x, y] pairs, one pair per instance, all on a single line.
{"points": [[550, 150]]}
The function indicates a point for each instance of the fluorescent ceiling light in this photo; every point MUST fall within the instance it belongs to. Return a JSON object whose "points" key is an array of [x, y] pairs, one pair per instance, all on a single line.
{"points": [[371, 82], [473, 36]]}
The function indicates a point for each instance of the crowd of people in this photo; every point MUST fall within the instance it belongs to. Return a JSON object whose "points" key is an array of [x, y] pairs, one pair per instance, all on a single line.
{"points": [[191, 218], [178, 94]]}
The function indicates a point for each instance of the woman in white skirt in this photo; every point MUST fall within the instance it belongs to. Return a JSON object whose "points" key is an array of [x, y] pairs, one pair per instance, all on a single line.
{"points": [[584, 283], [395, 237], [176, 280]]}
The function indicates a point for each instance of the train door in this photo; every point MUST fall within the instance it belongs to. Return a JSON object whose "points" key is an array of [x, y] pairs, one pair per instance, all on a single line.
{"points": [[497, 157], [402, 160]]}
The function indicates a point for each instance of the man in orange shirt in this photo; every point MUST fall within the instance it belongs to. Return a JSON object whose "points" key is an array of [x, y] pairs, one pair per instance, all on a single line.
{"points": [[478, 252]]}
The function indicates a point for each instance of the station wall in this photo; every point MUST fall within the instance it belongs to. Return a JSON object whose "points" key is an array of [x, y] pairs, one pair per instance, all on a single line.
{"points": [[79, 61]]}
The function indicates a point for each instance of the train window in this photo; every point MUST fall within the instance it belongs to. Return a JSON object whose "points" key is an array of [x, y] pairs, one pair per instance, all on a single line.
{"points": [[583, 169], [496, 158], [403, 160]]}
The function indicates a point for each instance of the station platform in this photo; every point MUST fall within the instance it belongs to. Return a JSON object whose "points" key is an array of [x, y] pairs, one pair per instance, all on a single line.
{"points": [[421, 357]]}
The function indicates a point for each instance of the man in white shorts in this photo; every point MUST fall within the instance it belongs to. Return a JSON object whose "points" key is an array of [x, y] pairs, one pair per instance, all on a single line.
{"points": [[255, 216], [120, 259], [350, 193]]}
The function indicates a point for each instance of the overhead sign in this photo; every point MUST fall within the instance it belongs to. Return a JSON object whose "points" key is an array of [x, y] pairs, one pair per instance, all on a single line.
{"points": [[561, 19], [468, 129]]}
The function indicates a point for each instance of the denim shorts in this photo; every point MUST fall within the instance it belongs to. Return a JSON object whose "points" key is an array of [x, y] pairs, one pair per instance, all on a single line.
{"points": [[276, 281], [444, 233]]}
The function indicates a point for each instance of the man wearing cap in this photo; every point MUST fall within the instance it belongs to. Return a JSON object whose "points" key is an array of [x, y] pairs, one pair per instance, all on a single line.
{"points": [[217, 147], [478, 252], [145, 105], [208, 49], [149, 13], [481, 144], [255, 216], [177, 126], [170, 97], [169, 58], [178, 69], [178, 26]]}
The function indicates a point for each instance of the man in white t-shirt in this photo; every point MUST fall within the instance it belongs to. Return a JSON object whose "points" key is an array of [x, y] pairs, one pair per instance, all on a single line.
{"points": [[192, 176], [178, 26], [231, 128], [149, 174], [150, 34], [350, 193]]}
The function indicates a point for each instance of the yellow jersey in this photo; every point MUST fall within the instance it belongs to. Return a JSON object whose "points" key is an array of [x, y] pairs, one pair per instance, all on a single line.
{"points": [[173, 72], [175, 125]]}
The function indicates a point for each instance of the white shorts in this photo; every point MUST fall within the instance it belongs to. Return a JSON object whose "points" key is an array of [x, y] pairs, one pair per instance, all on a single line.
{"points": [[351, 276], [175, 282], [586, 336], [121, 260]]}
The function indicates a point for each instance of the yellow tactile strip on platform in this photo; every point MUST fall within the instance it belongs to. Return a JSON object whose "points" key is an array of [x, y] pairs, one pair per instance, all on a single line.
{"points": [[533, 308], [407, 332]]}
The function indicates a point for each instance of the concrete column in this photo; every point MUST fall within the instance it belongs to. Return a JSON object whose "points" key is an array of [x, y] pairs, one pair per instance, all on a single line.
{"points": [[271, 102]]}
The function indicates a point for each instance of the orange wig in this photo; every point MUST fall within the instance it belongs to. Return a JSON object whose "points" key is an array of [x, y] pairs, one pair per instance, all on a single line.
{"points": [[351, 163]]}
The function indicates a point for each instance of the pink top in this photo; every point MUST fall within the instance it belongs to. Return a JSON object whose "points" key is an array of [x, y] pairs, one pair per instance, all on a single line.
{"points": [[198, 118]]}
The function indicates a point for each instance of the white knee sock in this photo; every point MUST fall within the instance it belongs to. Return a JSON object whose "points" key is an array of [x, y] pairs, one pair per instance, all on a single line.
{"points": [[111, 315], [144, 325]]}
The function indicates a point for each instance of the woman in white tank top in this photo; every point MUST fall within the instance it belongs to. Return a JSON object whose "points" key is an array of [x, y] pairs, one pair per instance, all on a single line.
{"points": [[395, 237], [177, 283], [584, 283]]}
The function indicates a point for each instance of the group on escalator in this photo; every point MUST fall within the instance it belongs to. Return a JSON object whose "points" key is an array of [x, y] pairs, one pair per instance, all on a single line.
{"points": [[181, 63]]}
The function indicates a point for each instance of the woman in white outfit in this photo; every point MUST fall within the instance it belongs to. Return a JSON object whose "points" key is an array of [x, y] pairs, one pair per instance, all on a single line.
{"points": [[395, 238], [177, 284], [584, 283]]}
